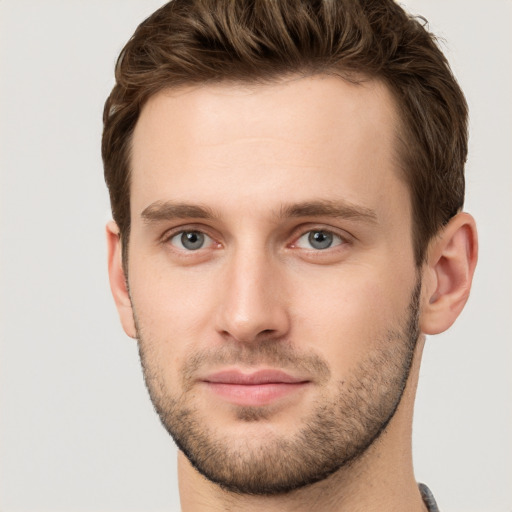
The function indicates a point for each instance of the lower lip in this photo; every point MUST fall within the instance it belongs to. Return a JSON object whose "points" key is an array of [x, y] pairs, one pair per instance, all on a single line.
{"points": [[255, 394]]}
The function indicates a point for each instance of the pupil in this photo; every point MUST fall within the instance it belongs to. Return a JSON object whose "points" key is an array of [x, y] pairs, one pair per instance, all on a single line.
{"points": [[192, 240], [320, 239]]}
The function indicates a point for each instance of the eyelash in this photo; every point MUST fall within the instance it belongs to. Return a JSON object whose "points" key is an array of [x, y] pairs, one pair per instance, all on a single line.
{"points": [[169, 235], [190, 232], [338, 239], [335, 241]]}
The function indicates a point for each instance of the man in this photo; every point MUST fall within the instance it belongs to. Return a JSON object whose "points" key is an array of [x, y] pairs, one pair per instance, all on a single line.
{"points": [[286, 181]]}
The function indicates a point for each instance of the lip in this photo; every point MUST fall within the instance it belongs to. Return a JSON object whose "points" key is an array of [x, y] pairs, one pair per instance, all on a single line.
{"points": [[255, 388]]}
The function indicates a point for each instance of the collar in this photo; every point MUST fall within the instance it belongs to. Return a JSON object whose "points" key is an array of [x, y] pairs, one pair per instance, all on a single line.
{"points": [[428, 498]]}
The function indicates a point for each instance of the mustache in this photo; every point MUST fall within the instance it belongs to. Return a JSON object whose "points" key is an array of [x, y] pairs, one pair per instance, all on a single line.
{"points": [[275, 354]]}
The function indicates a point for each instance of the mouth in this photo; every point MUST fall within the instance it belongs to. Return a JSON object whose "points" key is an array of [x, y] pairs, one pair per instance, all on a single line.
{"points": [[256, 388]]}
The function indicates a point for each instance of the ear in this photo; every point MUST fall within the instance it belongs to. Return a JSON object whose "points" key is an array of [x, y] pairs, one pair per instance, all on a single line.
{"points": [[450, 266], [118, 282]]}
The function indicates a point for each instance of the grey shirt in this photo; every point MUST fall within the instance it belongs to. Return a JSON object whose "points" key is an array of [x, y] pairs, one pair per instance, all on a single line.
{"points": [[428, 498]]}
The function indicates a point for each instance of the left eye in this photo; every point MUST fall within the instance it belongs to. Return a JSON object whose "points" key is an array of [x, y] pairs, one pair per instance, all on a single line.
{"points": [[190, 240], [318, 240]]}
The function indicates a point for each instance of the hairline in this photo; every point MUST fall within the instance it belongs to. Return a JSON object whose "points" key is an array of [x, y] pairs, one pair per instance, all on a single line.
{"points": [[399, 154]]}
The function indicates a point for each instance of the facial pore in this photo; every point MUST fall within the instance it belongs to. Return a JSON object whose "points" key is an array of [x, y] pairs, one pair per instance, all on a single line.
{"points": [[348, 416]]}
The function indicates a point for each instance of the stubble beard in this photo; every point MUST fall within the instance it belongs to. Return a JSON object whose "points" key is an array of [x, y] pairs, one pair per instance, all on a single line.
{"points": [[338, 431]]}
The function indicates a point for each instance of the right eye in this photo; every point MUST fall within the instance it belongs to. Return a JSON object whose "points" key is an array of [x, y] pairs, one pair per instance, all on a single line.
{"points": [[190, 240]]}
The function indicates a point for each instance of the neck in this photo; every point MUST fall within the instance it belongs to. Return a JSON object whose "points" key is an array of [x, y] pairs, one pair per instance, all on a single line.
{"points": [[381, 480]]}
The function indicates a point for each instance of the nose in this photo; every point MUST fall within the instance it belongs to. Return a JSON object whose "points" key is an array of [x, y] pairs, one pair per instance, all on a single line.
{"points": [[252, 306]]}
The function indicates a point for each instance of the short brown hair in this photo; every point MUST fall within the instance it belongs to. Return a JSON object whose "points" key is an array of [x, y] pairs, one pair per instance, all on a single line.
{"points": [[188, 42]]}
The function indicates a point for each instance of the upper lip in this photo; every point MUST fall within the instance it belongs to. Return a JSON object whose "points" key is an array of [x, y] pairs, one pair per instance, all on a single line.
{"points": [[266, 376]]}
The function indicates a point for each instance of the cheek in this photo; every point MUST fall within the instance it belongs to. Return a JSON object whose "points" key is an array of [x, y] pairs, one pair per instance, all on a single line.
{"points": [[172, 313], [347, 316], [166, 297]]}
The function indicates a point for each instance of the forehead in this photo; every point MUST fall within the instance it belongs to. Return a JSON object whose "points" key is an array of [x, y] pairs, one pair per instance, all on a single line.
{"points": [[317, 136]]}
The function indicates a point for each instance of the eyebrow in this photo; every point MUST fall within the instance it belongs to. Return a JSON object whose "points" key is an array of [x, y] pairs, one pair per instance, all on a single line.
{"points": [[326, 208], [168, 210]]}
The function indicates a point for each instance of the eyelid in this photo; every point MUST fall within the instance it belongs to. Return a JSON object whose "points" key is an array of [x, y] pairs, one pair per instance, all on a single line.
{"points": [[297, 233], [336, 240], [303, 230], [168, 235], [208, 241]]}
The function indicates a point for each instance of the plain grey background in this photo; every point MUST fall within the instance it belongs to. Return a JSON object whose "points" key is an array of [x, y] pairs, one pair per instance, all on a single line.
{"points": [[77, 430]]}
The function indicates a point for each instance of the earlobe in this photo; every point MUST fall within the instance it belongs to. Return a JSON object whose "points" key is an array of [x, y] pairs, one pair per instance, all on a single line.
{"points": [[449, 273], [118, 283]]}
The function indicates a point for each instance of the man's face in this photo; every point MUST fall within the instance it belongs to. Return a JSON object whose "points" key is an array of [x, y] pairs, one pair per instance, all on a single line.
{"points": [[272, 275]]}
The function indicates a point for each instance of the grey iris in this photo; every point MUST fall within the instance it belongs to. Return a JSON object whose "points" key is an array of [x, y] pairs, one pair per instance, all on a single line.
{"points": [[192, 240], [320, 239]]}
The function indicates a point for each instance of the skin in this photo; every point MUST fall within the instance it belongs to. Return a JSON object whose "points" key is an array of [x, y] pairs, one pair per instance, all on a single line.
{"points": [[251, 158]]}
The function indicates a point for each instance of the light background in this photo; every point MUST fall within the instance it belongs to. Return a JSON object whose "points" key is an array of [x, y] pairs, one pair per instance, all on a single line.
{"points": [[77, 431]]}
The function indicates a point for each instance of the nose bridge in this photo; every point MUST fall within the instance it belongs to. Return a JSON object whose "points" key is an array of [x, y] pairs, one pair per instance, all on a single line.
{"points": [[254, 304]]}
